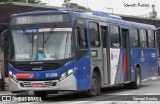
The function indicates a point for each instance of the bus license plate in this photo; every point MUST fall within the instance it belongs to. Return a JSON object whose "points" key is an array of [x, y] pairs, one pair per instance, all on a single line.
{"points": [[37, 84]]}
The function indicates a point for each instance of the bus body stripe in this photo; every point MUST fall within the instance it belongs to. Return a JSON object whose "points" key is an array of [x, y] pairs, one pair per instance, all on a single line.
{"points": [[120, 71], [125, 66]]}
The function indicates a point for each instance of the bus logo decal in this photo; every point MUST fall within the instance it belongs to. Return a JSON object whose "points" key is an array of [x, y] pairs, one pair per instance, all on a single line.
{"points": [[153, 55], [113, 56], [37, 62], [33, 75]]}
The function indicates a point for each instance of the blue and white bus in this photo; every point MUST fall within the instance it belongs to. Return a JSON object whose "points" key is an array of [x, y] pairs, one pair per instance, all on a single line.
{"points": [[64, 50]]}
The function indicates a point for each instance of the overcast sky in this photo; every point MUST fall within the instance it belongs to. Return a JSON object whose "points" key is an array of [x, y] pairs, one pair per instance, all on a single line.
{"points": [[119, 6]]}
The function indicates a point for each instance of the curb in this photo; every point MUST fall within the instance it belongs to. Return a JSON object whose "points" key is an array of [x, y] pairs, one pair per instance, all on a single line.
{"points": [[152, 78], [155, 78]]}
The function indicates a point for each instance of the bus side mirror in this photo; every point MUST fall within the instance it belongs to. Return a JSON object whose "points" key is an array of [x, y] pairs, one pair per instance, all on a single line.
{"points": [[4, 40]]}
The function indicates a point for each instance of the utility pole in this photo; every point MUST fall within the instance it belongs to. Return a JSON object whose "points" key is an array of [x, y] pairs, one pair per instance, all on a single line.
{"points": [[153, 14], [87, 4]]}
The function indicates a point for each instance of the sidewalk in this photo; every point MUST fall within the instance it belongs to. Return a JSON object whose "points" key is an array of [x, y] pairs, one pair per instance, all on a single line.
{"points": [[156, 77]]}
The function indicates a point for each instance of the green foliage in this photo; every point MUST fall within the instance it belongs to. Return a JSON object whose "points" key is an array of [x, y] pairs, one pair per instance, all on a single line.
{"points": [[5, 0], [68, 4]]}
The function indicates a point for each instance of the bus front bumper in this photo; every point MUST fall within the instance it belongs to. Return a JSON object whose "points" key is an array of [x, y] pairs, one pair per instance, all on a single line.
{"points": [[67, 84]]}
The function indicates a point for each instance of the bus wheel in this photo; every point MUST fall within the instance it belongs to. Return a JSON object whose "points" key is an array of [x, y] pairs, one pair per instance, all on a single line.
{"points": [[95, 90], [137, 83], [42, 94]]}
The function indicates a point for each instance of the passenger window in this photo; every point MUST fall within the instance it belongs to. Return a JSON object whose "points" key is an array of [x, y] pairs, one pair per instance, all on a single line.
{"points": [[94, 34], [143, 38], [134, 40], [115, 36], [82, 38], [151, 39]]}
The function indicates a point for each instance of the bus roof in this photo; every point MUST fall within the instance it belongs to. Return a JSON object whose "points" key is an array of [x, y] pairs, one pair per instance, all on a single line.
{"points": [[97, 16], [116, 20]]}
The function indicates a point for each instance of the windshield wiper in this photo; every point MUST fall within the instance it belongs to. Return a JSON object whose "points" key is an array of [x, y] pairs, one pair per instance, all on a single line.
{"points": [[30, 38], [51, 32], [27, 34]]}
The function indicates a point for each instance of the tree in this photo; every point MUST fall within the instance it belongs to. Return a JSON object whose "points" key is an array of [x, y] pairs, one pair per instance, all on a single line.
{"points": [[68, 4], [24, 1]]}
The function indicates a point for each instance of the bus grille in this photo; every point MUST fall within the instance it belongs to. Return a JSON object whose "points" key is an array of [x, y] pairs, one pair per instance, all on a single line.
{"points": [[45, 84]]}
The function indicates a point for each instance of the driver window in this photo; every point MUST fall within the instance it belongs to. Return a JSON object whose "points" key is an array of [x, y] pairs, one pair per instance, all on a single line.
{"points": [[82, 38]]}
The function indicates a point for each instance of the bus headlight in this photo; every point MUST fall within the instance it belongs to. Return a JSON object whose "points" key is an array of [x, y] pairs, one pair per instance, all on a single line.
{"points": [[10, 73], [13, 76], [66, 73], [70, 71], [63, 75]]}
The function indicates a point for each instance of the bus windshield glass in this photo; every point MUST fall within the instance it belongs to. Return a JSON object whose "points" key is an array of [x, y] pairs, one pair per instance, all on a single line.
{"points": [[41, 44]]}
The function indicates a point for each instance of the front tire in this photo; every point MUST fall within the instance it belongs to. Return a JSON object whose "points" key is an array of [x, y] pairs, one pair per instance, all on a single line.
{"points": [[42, 94], [95, 90], [137, 83]]}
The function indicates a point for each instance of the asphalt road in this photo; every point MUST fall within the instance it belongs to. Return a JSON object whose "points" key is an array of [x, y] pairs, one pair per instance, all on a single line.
{"points": [[113, 95]]}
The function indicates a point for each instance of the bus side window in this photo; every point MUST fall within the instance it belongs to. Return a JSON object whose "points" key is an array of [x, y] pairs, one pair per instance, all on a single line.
{"points": [[115, 36], [94, 34], [143, 38], [151, 39], [134, 40], [82, 38]]}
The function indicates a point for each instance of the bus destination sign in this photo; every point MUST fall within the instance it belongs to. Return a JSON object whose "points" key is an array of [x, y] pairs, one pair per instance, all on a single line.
{"points": [[37, 19]]}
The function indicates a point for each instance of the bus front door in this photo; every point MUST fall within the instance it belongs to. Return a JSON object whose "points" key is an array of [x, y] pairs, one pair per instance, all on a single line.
{"points": [[126, 55], [106, 61]]}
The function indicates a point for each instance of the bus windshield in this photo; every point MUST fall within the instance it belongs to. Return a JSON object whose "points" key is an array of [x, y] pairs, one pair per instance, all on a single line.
{"points": [[41, 44]]}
